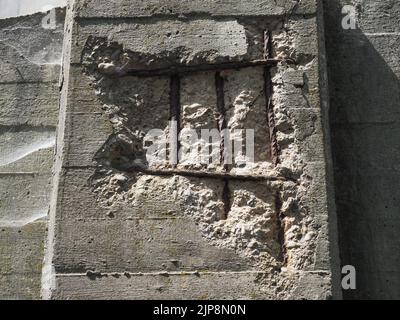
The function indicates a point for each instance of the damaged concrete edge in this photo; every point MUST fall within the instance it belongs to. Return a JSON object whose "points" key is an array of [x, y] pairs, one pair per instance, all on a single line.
{"points": [[48, 272], [333, 236]]}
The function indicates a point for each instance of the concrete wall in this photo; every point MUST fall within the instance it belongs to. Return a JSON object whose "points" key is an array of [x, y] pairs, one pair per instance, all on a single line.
{"points": [[15, 8], [29, 99], [124, 227], [364, 70], [364, 90]]}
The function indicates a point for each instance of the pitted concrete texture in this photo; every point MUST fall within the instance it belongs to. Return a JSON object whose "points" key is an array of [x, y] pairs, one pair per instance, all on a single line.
{"points": [[364, 73], [30, 66], [125, 227]]}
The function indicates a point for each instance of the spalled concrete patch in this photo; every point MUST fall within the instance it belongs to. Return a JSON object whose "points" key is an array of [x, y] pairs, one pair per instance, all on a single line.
{"points": [[233, 215], [205, 71]]}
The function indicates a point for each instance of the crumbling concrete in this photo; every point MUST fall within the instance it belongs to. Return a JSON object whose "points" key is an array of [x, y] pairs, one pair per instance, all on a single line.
{"points": [[30, 65], [124, 227]]}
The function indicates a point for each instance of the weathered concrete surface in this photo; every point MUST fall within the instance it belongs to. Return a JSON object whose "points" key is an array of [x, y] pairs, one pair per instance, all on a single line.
{"points": [[17, 8], [115, 216], [28, 117], [21, 256], [149, 8], [43, 47], [364, 72]]}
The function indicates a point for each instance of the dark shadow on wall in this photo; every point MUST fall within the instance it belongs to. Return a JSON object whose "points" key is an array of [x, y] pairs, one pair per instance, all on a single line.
{"points": [[365, 126]]}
